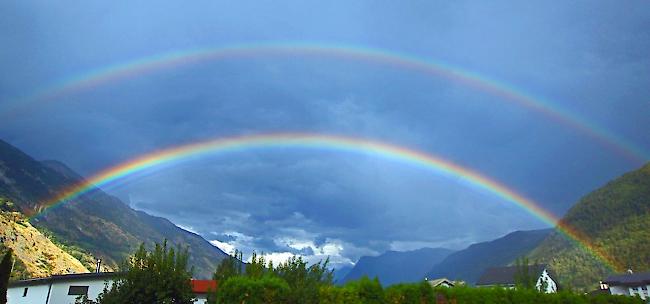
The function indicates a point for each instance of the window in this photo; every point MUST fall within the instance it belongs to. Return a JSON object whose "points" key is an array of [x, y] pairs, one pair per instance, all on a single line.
{"points": [[25, 292], [78, 290]]}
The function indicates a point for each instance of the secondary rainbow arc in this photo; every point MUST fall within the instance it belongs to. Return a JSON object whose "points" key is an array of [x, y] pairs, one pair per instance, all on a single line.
{"points": [[330, 142], [507, 92]]}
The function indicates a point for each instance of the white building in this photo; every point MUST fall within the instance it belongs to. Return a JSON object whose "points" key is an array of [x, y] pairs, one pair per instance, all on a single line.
{"points": [[57, 289], [630, 284], [506, 277], [441, 282], [65, 289]]}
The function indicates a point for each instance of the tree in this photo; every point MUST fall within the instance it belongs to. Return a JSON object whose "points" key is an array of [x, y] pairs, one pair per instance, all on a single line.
{"points": [[305, 282], [160, 276], [229, 267], [262, 290], [5, 273], [523, 278]]}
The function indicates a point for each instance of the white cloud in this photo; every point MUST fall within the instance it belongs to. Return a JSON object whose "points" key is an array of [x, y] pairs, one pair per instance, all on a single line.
{"points": [[225, 247]]}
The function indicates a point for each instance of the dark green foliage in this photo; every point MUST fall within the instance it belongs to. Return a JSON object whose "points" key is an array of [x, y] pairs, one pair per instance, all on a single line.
{"points": [[420, 293], [241, 289], [229, 267], [360, 291], [523, 278], [5, 273], [304, 280], [467, 295], [160, 276]]}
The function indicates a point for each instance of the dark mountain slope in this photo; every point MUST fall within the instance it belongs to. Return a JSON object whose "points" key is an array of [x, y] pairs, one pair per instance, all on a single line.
{"points": [[97, 222], [468, 264], [395, 267], [616, 218]]}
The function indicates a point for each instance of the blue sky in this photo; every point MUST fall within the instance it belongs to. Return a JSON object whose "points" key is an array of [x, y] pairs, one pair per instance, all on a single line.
{"points": [[585, 56]]}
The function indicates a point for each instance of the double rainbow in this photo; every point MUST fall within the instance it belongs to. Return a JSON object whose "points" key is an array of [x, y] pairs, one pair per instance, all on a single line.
{"points": [[168, 60], [391, 152]]}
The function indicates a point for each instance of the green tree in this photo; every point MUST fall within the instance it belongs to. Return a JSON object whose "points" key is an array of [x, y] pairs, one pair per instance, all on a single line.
{"points": [[262, 290], [229, 267], [305, 281], [367, 290], [5, 272], [523, 278], [160, 276]]}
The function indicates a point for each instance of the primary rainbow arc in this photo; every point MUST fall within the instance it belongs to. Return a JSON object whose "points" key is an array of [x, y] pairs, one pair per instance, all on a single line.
{"points": [[328, 142]]}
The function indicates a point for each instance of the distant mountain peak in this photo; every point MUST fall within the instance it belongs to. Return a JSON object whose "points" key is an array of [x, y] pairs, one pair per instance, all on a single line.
{"points": [[393, 267]]}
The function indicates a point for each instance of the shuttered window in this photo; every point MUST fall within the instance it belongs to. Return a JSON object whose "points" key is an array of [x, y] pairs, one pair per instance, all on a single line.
{"points": [[78, 290]]}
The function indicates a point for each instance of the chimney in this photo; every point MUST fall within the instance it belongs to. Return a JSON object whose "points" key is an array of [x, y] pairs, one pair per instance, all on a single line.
{"points": [[99, 266]]}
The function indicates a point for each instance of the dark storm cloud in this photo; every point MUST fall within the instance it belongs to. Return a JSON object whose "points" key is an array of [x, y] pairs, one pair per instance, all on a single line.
{"points": [[589, 58]]}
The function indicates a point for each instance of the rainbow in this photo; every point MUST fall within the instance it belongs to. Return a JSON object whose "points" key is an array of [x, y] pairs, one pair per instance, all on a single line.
{"points": [[399, 154], [505, 91]]}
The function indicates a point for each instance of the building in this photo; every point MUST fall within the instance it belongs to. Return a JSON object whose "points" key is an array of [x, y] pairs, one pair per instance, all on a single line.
{"points": [[201, 288], [64, 289], [57, 289], [629, 284], [442, 282], [506, 277]]}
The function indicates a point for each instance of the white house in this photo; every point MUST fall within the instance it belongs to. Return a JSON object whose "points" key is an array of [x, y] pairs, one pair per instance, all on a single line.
{"points": [[57, 289], [506, 277], [629, 284], [441, 282], [64, 289]]}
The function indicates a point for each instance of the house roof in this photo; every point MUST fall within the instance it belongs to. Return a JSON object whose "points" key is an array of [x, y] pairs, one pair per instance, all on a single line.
{"points": [[198, 286], [203, 286], [65, 277], [628, 279], [506, 275], [437, 282]]}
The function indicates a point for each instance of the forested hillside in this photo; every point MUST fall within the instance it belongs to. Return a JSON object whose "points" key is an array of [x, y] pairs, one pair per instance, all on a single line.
{"points": [[616, 218]]}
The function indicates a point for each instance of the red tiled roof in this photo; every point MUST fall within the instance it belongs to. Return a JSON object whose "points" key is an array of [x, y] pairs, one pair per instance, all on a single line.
{"points": [[203, 286]]}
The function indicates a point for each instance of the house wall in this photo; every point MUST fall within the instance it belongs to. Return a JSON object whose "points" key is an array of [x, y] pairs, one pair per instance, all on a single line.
{"points": [[630, 291], [201, 299], [619, 290], [59, 294], [35, 294], [551, 286]]}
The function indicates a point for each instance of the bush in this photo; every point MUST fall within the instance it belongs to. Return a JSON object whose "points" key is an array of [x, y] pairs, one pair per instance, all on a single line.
{"points": [[527, 296], [421, 293], [240, 289]]}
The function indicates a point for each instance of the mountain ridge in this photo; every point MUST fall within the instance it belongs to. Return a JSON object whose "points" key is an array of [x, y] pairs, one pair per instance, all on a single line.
{"points": [[95, 221], [468, 264], [393, 267]]}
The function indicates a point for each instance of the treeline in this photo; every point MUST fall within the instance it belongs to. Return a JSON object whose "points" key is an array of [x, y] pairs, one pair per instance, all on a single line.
{"points": [[163, 276]]}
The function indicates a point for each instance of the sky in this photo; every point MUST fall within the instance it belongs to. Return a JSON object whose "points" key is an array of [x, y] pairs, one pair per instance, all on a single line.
{"points": [[588, 59]]}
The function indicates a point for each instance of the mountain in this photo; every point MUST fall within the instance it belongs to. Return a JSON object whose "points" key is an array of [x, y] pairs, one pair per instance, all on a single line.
{"points": [[394, 267], [96, 222], [340, 273], [616, 219], [468, 264], [35, 253]]}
